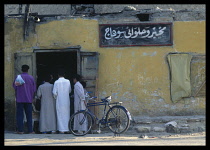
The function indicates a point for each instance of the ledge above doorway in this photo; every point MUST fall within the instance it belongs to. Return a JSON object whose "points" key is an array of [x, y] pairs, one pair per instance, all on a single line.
{"points": [[72, 48]]}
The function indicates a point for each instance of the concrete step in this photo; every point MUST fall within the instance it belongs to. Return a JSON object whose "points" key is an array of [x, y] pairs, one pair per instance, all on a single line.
{"points": [[165, 119], [170, 124]]}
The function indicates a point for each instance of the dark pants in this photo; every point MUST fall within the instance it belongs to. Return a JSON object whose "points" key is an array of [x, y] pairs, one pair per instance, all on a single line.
{"points": [[27, 107]]}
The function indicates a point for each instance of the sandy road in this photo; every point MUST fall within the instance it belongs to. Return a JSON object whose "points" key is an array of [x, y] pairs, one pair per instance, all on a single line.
{"points": [[106, 139]]}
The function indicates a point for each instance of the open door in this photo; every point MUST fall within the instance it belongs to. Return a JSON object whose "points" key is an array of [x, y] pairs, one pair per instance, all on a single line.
{"points": [[89, 72], [27, 58]]}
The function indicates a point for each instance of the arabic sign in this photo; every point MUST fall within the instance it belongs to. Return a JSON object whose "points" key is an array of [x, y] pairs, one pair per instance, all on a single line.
{"points": [[141, 34]]}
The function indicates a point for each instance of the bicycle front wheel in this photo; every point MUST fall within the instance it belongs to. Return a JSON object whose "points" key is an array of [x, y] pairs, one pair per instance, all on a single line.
{"points": [[118, 120], [80, 123]]}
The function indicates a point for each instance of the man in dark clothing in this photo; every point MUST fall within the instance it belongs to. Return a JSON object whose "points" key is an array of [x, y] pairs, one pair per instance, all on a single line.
{"points": [[24, 97]]}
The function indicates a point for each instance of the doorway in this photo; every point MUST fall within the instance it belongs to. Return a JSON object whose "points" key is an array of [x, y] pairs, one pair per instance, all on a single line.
{"points": [[42, 61], [50, 62]]}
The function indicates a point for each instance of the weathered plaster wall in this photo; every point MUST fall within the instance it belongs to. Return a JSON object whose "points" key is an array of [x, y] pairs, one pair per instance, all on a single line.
{"points": [[119, 7], [137, 76], [13, 37], [65, 9], [9, 101]]}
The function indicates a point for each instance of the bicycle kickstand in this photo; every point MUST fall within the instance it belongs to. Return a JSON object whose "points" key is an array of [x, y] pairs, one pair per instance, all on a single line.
{"points": [[115, 134], [99, 130]]}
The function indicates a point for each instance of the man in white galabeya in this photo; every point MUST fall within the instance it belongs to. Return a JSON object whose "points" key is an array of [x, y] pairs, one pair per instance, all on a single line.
{"points": [[61, 90], [79, 104]]}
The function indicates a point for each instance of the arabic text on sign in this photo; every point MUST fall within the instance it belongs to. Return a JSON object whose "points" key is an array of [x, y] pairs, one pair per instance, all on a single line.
{"points": [[133, 33]]}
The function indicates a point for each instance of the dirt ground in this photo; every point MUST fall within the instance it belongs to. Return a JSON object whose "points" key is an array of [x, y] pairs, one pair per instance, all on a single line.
{"points": [[106, 139]]}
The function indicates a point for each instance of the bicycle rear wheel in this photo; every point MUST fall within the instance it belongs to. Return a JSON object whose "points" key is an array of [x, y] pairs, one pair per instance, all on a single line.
{"points": [[80, 123], [118, 120]]}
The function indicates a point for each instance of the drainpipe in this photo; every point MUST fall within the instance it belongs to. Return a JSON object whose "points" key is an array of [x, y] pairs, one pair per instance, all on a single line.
{"points": [[26, 21]]}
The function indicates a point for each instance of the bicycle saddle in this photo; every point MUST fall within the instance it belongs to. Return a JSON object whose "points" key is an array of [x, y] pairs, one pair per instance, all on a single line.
{"points": [[107, 99]]}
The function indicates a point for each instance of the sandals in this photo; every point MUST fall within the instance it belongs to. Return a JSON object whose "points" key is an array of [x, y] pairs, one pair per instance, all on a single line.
{"points": [[17, 132], [61, 132]]}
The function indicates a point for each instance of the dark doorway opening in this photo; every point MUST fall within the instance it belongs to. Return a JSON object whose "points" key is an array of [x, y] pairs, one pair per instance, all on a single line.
{"points": [[50, 62]]}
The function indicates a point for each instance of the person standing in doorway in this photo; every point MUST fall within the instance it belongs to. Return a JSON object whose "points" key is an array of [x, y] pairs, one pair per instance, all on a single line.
{"points": [[79, 103], [47, 120], [24, 97], [61, 90]]}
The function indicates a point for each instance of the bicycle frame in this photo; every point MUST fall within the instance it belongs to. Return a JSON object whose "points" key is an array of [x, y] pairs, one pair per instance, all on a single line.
{"points": [[104, 112]]}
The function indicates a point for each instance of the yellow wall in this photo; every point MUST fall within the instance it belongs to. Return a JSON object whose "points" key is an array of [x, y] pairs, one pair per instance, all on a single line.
{"points": [[137, 76]]}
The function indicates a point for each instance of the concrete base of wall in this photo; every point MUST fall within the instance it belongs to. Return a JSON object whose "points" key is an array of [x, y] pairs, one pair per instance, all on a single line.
{"points": [[182, 124], [9, 115], [155, 126]]}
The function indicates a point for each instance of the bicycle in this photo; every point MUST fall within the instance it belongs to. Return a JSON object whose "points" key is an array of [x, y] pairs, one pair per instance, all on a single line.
{"points": [[117, 118]]}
